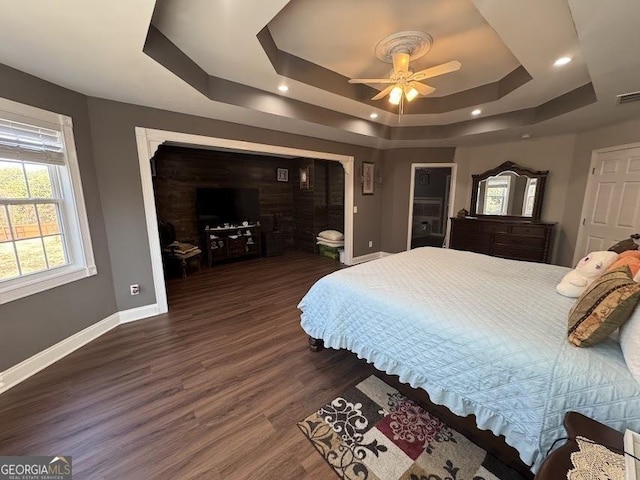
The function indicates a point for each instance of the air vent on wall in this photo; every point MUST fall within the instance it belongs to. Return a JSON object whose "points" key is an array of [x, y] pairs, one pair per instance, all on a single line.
{"points": [[628, 97]]}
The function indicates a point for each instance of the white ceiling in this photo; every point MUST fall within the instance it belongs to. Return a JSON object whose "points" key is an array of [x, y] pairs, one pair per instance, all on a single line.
{"points": [[326, 34], [95, 47]]}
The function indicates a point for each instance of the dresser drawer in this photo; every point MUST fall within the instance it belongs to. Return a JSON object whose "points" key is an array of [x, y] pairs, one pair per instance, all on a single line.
{"points": [[494, 227], [472, 239], [463, 227], [516, 240], [529, 230], [517, 253]]}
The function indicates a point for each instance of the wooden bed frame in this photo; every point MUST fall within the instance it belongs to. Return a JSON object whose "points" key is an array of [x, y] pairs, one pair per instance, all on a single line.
{"points": [[493, 444]]}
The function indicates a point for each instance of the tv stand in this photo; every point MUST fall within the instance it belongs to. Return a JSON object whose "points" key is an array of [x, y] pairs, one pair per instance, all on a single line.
{"points": [[237, 241]]}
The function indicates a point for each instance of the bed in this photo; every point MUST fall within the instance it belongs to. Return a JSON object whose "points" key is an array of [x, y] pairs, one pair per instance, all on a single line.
{"points": [[481, 335]]}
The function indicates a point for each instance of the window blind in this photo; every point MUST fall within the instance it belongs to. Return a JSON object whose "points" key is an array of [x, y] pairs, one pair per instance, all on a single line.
{"points": [[19, 141]]}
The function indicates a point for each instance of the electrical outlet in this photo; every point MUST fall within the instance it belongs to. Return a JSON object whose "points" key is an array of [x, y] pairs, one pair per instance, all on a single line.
{"points": [[134, 289], [370, 243]]}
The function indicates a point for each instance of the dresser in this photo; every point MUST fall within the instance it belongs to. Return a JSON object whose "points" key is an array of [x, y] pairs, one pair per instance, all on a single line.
{"points": [[516, 239]]}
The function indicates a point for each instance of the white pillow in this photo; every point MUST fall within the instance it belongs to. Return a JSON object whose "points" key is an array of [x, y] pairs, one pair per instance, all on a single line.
{"points": [[630, 343], [331, 235], [329, 243]]}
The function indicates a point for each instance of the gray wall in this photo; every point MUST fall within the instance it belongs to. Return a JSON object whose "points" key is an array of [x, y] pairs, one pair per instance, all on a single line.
{"points": [[396, 179], [116, 156], [567, 157], [550, 153], [105, 141], [618, 134], [36, 322]]}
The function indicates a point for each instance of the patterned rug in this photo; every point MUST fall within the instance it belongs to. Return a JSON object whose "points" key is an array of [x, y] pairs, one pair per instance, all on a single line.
{"points": [[373, 432]]}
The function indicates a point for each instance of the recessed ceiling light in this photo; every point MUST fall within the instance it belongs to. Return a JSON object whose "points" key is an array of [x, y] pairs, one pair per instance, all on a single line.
{"points": [[561, 61], [525, 136], [373, 116], [283, 88], [476, 112]]}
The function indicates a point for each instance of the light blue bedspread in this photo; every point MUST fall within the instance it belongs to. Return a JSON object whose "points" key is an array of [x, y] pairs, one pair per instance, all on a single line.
{"points": [[482, 336]]}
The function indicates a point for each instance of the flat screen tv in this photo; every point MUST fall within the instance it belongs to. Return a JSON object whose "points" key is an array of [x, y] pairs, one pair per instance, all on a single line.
{"points": [[217, 206]]}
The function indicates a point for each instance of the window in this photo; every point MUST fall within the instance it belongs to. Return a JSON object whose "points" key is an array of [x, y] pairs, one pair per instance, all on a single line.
{"points": [[44, 234], [497, 195]]}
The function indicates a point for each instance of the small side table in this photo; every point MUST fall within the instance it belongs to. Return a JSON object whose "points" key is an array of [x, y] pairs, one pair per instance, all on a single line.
{"points": [[558, 463]]}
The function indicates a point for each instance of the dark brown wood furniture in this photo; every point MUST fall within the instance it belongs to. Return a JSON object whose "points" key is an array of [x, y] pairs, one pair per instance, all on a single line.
{"points": [[272, 244], [521, 182], [173, 253], [225, 243], [558, 463], [503, 237]]}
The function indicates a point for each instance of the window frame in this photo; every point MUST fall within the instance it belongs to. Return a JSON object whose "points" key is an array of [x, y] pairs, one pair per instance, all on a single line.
{"points": [[504, 183], [74, 220]]}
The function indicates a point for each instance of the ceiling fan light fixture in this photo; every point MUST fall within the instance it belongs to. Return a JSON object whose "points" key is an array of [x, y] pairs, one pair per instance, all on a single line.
{"points": [[410, 93], [395, 95]]}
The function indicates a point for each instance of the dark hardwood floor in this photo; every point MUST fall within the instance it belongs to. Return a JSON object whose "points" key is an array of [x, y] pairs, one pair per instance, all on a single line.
{"points": [[211, 390]]}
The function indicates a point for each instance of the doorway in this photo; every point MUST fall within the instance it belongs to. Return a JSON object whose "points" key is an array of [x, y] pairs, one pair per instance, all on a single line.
{"points": [[430, 204], [149, 140]]}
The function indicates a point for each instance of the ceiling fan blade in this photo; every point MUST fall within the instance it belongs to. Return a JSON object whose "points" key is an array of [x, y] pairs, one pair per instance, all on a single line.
{"points": [[371, 80], [448, 67], [383, 93], [422, 88], [401, 62]]}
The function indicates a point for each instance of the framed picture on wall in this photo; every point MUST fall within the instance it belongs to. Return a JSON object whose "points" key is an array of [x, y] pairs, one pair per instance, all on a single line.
{"points": [[304, 178], [368, 178], [282, 175]]}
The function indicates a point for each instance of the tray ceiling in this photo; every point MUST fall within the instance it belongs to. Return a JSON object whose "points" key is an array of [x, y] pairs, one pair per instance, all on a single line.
{"points": [[210, 58]]}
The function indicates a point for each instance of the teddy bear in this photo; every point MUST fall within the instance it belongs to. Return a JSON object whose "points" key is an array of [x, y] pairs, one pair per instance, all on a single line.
{"points": [[590, 268], [630, 258]]}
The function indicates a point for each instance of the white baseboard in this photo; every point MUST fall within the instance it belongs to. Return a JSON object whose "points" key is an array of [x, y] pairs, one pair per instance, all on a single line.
{"points": [[138, 313], [368, 257], [32, 365]]}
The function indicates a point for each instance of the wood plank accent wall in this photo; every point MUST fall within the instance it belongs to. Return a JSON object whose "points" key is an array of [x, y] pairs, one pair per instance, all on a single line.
{"points": [[322, 206], [300, 214], [303, 207]]}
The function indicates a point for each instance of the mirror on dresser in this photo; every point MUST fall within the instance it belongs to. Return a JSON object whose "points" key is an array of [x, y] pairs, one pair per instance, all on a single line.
{"points": [[504, 221], [508, 190]]}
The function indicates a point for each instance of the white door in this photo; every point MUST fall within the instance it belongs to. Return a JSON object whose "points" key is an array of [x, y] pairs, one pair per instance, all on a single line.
{"points": [[611, 210]]}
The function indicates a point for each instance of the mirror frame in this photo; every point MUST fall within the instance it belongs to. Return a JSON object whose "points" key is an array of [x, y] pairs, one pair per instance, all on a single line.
{"points": [[541, 175]]}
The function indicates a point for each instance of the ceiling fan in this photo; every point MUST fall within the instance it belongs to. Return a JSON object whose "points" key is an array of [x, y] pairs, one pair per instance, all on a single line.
{"points": [[405, 84]]}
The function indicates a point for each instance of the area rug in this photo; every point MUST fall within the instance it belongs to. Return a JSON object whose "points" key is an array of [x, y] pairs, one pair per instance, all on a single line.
{"points": [[373, 432]]}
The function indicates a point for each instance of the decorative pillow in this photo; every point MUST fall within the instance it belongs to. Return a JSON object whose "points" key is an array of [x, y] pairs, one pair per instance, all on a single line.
{"points": [[331, 235], [603, 307], [180, 247], [630, 343], [624, 245], [630, 258]]}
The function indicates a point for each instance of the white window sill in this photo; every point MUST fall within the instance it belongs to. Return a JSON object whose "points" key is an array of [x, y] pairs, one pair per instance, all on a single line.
{"points": [[40, 282]]}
